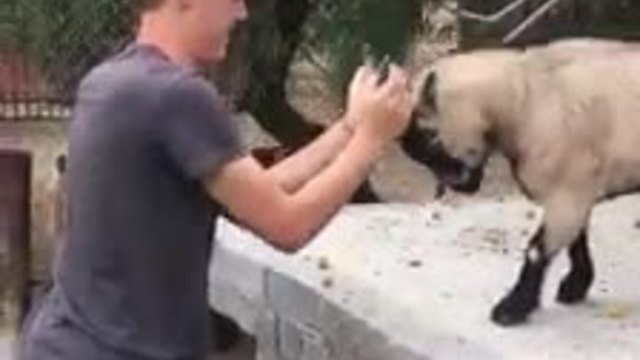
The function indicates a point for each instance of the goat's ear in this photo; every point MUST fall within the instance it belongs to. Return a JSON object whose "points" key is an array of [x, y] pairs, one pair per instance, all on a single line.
{"points": [[428, 93]]}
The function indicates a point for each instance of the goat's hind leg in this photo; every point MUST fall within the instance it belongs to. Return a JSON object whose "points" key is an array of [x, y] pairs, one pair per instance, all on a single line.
{"points": [[576, 283]]}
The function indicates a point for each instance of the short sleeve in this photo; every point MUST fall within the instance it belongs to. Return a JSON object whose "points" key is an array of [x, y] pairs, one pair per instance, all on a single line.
{"points": [[196, 128]]}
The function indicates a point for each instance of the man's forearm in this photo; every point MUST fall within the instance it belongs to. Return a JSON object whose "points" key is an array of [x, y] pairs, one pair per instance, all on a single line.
{"points": [[323, 195], [295, 171], [290, 220]]}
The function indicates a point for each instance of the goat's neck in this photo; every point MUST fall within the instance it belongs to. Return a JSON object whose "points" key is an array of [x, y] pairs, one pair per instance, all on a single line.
{"points": [[504, 111]]}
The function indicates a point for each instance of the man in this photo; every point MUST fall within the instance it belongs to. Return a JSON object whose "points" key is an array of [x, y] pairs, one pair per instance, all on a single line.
{"points": [[153, 157]]}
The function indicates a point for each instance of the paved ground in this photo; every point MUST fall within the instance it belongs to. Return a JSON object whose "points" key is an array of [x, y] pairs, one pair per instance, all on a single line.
{"points": [[410, 282], [424, 279]]}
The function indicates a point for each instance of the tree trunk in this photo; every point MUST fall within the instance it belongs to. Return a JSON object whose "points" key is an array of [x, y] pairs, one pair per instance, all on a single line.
{"points": [[256, 71]]}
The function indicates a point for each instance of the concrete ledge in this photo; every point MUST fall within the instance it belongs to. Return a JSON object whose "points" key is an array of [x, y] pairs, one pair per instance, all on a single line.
{"points": [[418, 282]]}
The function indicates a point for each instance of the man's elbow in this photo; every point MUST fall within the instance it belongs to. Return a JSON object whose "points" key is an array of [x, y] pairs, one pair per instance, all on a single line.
{"points": [[290, 237]]}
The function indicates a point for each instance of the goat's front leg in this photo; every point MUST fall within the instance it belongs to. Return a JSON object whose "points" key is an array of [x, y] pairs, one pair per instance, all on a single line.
{"points": [[563, 220], [524, 296]]}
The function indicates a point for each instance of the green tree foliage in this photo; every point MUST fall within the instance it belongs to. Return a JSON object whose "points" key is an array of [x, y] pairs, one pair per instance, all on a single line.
{"points": [[67, 37], [344, 32]]}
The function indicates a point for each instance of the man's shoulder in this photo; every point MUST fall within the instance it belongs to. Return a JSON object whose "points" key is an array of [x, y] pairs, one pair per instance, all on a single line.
{"points": [[138, 73]]}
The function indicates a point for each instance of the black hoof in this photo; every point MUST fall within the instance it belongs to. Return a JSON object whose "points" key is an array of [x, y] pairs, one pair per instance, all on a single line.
{"points": [[510, 312], [573, 290]]}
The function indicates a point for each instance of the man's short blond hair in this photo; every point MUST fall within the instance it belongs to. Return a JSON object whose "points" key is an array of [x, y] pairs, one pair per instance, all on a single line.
{"points": [[146, 5]]}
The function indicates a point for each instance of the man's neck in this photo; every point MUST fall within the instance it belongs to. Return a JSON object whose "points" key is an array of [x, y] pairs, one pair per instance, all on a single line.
{"points": [[156, 30]]}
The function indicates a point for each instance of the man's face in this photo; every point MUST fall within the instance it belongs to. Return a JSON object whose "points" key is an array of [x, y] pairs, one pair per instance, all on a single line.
{"points": [[208, 25]]}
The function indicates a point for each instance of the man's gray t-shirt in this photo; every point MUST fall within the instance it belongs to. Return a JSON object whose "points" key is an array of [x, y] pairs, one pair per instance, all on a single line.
{"points": [[145, 132]]}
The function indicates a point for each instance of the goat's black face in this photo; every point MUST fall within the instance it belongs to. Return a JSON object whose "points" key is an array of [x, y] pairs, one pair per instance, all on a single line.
{"points": [[422, 143], [423, 146]]}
